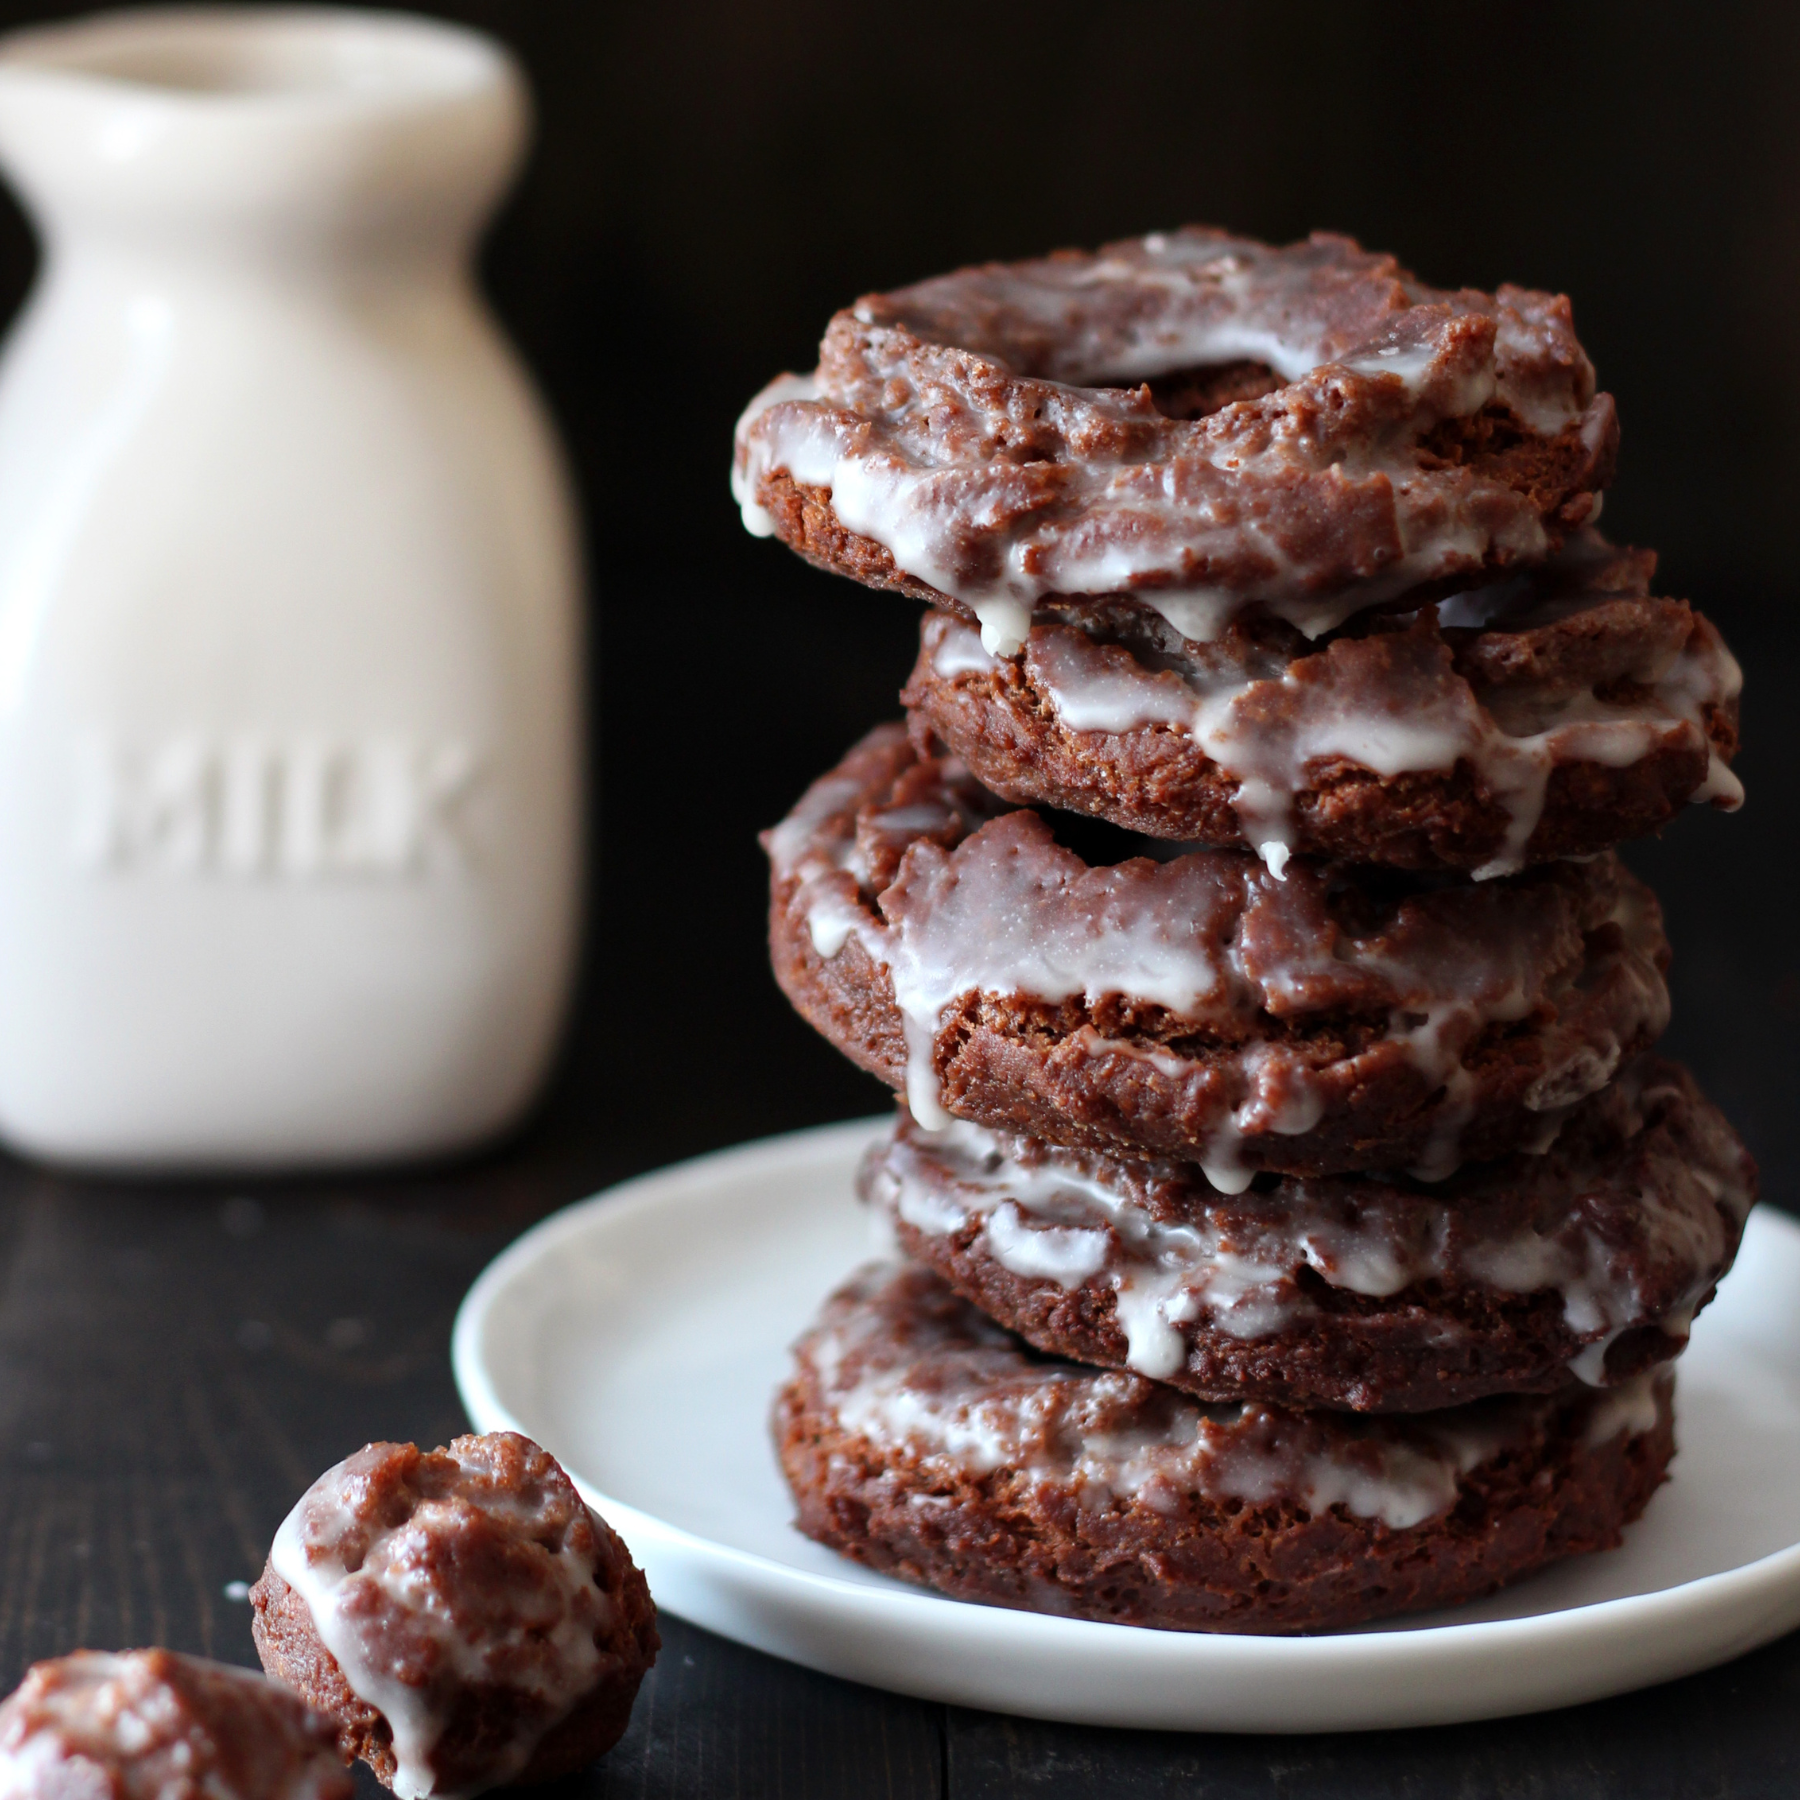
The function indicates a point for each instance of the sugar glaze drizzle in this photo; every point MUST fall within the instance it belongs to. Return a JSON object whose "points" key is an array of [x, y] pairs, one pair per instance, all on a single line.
{"points": [[989, 430], [909, 1372], [358, 1575], [1512, 742], [1209, 937], [1055, 1215]]}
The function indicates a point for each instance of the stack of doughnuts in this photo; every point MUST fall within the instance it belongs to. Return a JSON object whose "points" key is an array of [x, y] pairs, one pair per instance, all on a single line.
{"points": [[1293, 1223]]}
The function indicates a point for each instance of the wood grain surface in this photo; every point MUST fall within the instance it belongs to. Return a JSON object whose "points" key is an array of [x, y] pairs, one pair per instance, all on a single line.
{"points": [[177, 1363]]}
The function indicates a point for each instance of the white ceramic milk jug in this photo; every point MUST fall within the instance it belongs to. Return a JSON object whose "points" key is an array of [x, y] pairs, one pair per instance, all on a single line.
{"points": [[290, 702]]}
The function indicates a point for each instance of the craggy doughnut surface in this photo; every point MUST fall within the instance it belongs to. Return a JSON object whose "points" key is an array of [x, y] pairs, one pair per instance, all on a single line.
{"points": [[1365, 1292], [154, 1725], [489, 1628], [922, 1440], [1553, 715], [1194, 420], [1337, 1020]]}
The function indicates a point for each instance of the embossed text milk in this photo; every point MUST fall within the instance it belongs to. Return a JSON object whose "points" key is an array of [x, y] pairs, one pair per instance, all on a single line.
{"points": [[289, 635]]}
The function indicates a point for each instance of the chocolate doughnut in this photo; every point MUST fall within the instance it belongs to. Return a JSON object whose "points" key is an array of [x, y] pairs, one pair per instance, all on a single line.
{"points": [[154, 1725], [926, 1442], [1552, 715], [1364, 1292], [1329, 1020], [1191, 420], [460, 1615]]}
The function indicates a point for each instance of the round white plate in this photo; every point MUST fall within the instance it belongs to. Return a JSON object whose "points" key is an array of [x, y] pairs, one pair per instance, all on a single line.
{"points": [[640, 1336]]}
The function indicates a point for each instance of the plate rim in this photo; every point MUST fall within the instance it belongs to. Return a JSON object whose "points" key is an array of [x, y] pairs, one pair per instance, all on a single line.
{"points": [[1661, 1612]]}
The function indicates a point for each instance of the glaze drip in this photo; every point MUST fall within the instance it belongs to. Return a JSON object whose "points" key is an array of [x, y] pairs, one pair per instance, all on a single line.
{"points": [[1629, 1226], [905, 1366], [1206, 955], [427, 1575], [993, 432], [1502, 686]]}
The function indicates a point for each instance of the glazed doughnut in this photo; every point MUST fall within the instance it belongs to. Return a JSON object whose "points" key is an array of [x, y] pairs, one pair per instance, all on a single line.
{"points": [[1198, 1006], [1191, 420], [461, 1616], [926, 1442], [1364, 1292], [1552, 715], [155, 1725]]}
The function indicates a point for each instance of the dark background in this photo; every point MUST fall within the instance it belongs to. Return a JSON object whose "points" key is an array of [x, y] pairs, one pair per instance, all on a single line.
{"points": [[711, 181]]}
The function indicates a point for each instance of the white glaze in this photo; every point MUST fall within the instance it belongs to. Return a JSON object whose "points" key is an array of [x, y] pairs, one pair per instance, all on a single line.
{"points": [[903, 507], [109, 1725], [1009, 914], [1055, 1218], [333, 1561], [784, 387], [998, 926], [1512, 743], [827, 865], [1067, 1255], [964, 1395], [1198, 300], [1630, 1408]]}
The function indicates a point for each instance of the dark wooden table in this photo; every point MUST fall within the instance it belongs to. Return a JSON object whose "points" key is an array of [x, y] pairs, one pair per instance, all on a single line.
{"points": [[176, 1364]]}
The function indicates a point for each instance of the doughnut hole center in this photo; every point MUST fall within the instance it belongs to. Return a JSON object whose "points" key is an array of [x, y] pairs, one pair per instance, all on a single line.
{"points": [[1196, 392]]}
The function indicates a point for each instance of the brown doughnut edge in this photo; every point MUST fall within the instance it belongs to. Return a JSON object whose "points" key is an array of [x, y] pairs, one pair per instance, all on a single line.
{"points": [[216, 1730], [1558, 482], [1006, 383], [1016, 1065], [292, 1652], [1435, 1343], [1270, 1569], [1157, 780]]}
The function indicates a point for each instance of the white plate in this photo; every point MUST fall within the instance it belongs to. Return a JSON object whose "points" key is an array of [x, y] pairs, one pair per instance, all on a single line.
{"points": [[640, 1336]]}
